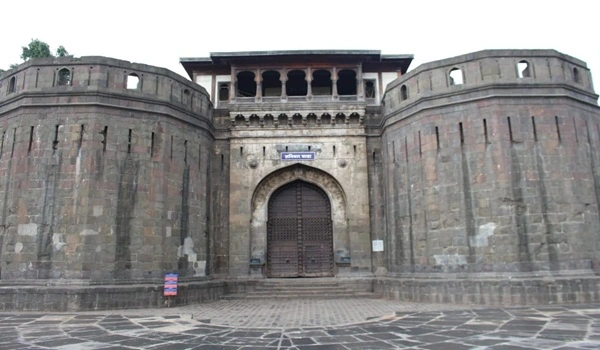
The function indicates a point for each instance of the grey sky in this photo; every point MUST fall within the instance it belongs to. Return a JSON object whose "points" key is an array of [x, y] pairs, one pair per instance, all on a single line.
{"points": [[158, 33]]}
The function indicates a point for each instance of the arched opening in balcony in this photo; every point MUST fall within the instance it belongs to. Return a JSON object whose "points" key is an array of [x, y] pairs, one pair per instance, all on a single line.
{"points": [[321, 82], [246, 85], [271, 83], [296, 84], [346, 84]]}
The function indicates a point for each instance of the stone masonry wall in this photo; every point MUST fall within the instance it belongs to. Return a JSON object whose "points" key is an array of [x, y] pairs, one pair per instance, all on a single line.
{"points": [[99, 182], [494, 175]]}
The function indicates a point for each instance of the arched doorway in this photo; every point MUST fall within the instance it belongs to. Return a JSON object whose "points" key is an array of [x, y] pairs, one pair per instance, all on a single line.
{"points": [[299, 232]]}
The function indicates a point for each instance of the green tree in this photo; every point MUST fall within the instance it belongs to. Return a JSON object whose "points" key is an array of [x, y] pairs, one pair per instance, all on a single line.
{"points": [[39, 49], [36, 49]]}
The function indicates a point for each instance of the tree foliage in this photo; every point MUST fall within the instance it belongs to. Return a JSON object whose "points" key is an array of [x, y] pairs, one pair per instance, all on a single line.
{"points": [[39, 49]]}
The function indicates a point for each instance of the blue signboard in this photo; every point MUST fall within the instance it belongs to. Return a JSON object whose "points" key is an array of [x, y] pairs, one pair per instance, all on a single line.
{"points": [[298, 156]]}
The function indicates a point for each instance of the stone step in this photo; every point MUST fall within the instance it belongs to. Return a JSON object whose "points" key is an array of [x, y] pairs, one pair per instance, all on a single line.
{"points": [[358, 295]]}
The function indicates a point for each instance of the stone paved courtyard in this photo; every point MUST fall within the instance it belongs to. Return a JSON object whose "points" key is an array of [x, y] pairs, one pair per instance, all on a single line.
{"points": [[308, 324]]}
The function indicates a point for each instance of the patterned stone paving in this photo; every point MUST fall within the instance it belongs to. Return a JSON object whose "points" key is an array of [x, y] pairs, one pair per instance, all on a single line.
{"points": [[327, 324]]}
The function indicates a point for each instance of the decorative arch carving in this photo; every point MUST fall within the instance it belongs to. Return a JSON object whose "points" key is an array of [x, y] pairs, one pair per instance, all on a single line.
{"points": [[267, 186]]}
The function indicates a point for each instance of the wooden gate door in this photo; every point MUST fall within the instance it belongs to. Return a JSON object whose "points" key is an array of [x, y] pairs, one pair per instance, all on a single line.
{"points": [[299, 237]]}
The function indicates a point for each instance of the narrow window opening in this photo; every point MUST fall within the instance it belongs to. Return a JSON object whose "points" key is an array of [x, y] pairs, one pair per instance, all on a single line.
{"points": [[420, 146], [286, 148], [105, 138], [11, 85], [374, 156], [37, 76], [393, 152], [265, 151], [403, 93], [152, 145], [223, 92], [437, 137], [334, 151], [575, 130], [171, 152], [55, 142], [12, 151], [81, 130], [485, 132], [462, 134], [346, 84], [246, 85], [129, 142], [89, 79], [523, 70], [296, 84], [309, 147], [133, 81], [185, 151], [185, 97], [535, 136], [222, 162], [64, 77], [321, 83], [557, 129], [241, 151], [370, 89], [2, 143], [354, 149], [576, 77], [30, 140], [199, 156], [456, 76], [510, 134]]}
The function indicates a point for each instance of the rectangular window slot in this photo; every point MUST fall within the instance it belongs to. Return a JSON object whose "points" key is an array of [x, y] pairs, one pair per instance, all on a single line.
{"points": [[55, 142], [152, 145], [535, 136], [420, 146], [437, 137], [334, 151], [2, 143], [393, 152], [104, 140], [557, 129], [510, 134], [185, 151], [129, 142], [30, 140], [241, 151], [12, 151], [80, 137], [485, 132], [265, 150], [462, 134], [575, 130], [171, 152]]}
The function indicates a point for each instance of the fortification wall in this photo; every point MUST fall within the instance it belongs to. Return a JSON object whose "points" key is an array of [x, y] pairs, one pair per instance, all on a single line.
{"points": [[101, 183], [497, 174]]}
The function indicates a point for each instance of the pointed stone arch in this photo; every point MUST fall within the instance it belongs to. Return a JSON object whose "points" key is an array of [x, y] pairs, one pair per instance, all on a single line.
{"points": [[278, 178]]}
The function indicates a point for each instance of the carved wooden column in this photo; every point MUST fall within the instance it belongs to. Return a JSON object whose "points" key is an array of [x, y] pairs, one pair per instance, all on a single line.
{"points": [[233, 85], [334, 80], [359, 83], [283, 80], [258, 81], [309, 84]]}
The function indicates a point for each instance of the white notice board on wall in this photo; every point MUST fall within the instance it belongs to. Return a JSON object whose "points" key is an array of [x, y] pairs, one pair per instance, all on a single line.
{"points": [[377, 245]]}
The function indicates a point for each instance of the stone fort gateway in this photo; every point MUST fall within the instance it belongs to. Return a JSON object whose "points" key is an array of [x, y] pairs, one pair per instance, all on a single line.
{"points": [[473, 179]]}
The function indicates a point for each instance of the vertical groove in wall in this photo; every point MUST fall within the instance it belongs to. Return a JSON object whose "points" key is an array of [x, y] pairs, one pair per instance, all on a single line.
{"points": [[468, 200], [183, 266], [126, 201], [410, 211], [519, 209], [596, 181], [543, 195], [46, 229]]}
